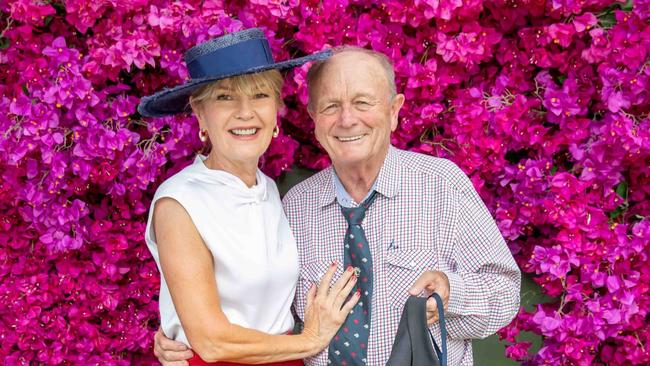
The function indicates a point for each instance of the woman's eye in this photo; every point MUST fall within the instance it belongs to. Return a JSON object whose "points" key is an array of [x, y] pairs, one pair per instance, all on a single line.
{"points": [[261, 96], [224, 97]]}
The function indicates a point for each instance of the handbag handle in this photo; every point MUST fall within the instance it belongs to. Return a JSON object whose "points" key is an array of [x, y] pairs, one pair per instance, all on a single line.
{"points": [[442, 355]]}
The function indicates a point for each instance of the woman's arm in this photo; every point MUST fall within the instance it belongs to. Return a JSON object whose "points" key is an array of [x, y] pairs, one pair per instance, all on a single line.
{"points": [[188, 269]]}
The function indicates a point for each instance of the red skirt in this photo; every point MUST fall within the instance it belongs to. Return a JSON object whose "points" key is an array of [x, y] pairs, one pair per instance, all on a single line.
{"points": [[197, 361]]}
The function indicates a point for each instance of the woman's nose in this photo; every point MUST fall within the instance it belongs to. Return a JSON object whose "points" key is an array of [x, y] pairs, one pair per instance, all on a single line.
{"points": [[245, 111]]}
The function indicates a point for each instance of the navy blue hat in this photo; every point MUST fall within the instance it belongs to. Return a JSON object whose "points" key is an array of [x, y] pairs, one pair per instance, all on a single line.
{"points": [[239, 53]]}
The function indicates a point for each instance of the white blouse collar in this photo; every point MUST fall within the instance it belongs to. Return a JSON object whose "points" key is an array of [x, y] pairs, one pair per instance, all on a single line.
{"points": [[238, 188]]}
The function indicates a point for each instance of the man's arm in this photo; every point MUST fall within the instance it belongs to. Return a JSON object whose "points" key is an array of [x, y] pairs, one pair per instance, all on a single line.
{"points": [[481, 289], [484, 281]]}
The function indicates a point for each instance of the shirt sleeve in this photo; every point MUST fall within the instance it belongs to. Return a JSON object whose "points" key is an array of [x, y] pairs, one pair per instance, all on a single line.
{"points": [[484, 278]]}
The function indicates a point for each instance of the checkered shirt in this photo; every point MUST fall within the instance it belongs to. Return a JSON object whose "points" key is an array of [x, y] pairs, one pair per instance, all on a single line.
{"points": [[427, 216]]}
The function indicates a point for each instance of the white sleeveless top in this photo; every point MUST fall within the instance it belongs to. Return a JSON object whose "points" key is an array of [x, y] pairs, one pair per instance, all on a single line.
{"points": [[254, 251]]}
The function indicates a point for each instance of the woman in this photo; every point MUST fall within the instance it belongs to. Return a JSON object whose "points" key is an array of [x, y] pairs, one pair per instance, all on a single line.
{"points": [[216, 229]]}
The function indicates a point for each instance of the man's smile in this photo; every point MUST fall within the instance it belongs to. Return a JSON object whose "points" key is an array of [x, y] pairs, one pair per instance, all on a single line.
{"points": [[350, 138]]}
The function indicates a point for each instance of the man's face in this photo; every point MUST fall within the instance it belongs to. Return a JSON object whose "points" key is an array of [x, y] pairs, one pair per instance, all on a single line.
{"points": [[353, 110]]}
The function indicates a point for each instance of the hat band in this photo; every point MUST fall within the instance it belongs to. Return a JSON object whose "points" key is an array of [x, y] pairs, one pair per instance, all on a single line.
{"points": [[230, 60]]}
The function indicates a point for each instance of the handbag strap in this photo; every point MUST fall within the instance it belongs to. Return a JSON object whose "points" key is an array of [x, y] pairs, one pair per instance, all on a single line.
{"points": [[442, 354]]}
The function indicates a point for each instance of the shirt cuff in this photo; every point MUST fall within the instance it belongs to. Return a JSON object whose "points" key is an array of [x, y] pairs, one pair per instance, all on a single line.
{"points": [[456, 294]]}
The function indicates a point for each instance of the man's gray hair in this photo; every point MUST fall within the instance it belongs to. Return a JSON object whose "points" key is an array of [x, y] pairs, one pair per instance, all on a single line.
{"points": [[314, 73]]}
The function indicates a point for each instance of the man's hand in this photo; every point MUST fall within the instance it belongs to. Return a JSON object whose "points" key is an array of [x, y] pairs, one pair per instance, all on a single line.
{"points": [[428, 283], [169, 352]]}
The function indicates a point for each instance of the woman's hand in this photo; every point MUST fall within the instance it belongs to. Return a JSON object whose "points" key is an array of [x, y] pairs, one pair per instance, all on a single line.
{"points": [[170, 352], [327, 307]]}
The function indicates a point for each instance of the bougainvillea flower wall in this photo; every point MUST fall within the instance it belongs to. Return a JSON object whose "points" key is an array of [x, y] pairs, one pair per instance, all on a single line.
{"points": [[544, 104]]}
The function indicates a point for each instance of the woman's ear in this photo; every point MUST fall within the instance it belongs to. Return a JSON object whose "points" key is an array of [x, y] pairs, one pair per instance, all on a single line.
{"points": [[198, 111]]}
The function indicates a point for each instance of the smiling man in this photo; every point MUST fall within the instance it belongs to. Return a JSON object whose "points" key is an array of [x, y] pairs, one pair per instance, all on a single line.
{"points": [[408, 223]]}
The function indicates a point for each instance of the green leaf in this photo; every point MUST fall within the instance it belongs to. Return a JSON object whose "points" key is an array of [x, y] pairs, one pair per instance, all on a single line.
{"points": [[616, 213], [25, 90], [621, 189], [60, 8], [4, 43], [607, 21], [553, 169], [48, 20], [629, 5], [607, 18]]}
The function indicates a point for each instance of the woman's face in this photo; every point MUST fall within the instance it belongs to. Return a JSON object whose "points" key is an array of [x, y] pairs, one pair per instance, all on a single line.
{"points": [[240, 126]]}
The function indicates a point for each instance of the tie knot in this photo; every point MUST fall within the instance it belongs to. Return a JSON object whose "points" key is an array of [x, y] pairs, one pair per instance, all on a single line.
{"points": [[354, 215]]}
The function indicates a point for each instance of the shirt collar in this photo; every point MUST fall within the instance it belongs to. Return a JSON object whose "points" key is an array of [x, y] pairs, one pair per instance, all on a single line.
{"points": [[343, 197], [235, 186], [387, 182], [327, 195], [390, 175]]}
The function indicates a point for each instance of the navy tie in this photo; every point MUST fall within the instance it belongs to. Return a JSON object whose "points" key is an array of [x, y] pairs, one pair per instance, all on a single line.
{"points": [[349, 346]]}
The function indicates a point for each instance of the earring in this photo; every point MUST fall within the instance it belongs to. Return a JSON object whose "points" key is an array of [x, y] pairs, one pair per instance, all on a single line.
{"points": [[203, 135], [276, 131]]}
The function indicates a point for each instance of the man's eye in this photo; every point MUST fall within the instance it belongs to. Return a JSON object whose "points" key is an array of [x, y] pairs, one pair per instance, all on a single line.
{"points": [[224, 97], [330, 107], [363, 104]]}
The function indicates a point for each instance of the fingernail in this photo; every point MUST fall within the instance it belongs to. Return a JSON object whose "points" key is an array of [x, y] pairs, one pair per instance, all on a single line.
{"points": [[333, 264], [349, 268], [358, 292]]}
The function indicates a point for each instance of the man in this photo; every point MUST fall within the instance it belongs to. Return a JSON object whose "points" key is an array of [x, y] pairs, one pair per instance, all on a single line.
{"points": [[422, 227]]}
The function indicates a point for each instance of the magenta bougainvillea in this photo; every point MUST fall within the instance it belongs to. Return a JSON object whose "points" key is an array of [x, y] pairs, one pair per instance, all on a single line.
{"points": [[544, 104]]}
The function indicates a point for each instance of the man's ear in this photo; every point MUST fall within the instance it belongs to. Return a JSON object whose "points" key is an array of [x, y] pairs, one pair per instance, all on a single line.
{"points": [[395, 106], [310, 111]]}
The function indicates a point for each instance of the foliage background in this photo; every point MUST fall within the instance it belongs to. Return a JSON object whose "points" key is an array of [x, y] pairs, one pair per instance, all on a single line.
{"points": [[544, 104]]}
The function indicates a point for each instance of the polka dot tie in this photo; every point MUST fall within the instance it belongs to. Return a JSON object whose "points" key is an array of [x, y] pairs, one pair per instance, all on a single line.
{"points": [[349, 346]]}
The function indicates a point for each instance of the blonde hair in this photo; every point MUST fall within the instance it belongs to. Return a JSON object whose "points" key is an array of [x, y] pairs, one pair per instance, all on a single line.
{"points": [[247, 84]]}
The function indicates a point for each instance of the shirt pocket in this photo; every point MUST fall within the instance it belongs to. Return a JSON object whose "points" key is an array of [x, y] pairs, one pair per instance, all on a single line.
{"points": [[404, 267], [313, 271], [310, 274]]}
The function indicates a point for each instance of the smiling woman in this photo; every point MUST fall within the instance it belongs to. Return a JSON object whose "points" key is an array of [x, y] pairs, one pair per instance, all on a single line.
{"points": [[238, 116], [227, 257]]}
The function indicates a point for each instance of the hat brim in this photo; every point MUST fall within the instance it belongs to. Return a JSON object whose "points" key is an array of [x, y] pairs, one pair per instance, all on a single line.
{"points": [[170, 101]]}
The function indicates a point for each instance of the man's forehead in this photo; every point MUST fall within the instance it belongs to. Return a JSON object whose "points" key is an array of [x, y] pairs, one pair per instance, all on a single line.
{"points": [[355, 59], [354, 70]]}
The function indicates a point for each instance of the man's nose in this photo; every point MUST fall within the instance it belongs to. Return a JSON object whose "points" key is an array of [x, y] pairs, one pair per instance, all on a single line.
{"points": [[348, 118], [245, 110]]}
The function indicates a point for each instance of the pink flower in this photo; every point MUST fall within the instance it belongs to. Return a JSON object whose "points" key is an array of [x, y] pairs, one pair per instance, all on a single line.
{"points": [[543, 104]]}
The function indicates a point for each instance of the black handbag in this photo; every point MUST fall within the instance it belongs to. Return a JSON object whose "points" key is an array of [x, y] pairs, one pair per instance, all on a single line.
{"points": [[414, 344]]}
